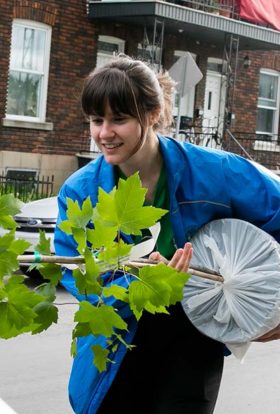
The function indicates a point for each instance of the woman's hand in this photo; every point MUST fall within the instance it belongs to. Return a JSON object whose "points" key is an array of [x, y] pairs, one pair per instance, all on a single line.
{"points": [[180, 260], [270, 336]]}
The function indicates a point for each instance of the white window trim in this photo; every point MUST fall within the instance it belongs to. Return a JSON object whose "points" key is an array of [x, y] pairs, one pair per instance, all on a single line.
{"points": [[264, 144], [271, 146], [20, 169], [111, 39], [44, 89]]}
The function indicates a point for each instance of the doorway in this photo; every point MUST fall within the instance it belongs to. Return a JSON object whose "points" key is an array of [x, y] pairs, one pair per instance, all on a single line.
{"points": [[214, 108]]}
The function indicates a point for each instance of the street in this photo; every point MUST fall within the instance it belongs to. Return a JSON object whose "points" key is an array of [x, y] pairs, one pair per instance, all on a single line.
{"points": [[35, 370]]}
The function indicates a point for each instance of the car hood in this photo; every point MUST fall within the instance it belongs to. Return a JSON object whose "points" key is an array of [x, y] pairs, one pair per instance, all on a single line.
{"points": [[44, 208]]}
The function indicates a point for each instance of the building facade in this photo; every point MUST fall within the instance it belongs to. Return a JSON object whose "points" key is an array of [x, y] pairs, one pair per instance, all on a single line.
{"points": [[48, 47]]}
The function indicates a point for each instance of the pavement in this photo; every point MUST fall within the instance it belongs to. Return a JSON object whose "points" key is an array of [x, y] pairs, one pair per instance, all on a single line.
{"points": [[253, 386]]}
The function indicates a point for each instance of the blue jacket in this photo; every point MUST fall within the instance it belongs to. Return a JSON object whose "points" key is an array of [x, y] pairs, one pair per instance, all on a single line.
{"points": [[204, 185]]}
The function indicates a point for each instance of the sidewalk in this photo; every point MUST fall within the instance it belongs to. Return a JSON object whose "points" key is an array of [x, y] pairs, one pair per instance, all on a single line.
{"points": [[252, 387]]}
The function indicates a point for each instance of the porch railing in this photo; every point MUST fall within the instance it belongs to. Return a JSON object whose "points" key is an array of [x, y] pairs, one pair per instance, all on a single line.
{"points": [[226, 8], [260, 148], [263, 149]]}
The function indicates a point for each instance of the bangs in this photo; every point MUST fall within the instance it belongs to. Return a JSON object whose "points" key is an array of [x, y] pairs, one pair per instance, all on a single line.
{"points": [[109, 87]]}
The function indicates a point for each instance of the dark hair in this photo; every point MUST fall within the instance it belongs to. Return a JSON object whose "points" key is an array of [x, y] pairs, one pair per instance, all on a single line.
{"points": [[130, 87]]}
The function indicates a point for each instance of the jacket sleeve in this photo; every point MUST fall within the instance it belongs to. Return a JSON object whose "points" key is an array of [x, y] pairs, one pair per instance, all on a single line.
{"points": [[254, 193]]}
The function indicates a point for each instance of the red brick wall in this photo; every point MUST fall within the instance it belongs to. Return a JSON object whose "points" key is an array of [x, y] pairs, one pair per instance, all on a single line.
{"points": [[72, 57], [247, 87]]}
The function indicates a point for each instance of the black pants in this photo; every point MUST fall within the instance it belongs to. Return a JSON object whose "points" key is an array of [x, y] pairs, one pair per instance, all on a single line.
{"points": [[173, 370]]}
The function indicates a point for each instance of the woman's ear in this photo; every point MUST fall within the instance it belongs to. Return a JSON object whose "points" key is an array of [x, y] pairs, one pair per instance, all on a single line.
{"points": [[154, 117]]}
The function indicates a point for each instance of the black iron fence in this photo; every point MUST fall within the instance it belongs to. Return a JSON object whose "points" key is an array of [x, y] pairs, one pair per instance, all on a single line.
{"points": [[27, 189], [263, 149]]}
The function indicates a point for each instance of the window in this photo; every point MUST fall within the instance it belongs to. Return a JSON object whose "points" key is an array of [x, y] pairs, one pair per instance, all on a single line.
{"points": [[28, 75], [21, 174], [268, 104], [107, 48]]}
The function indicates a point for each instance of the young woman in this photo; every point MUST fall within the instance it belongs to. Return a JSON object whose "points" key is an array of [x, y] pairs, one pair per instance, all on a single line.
{"points": [[174, 369]]}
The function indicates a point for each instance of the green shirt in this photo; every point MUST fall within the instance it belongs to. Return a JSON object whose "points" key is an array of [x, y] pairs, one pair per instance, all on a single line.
{"points": [[165, 244]]}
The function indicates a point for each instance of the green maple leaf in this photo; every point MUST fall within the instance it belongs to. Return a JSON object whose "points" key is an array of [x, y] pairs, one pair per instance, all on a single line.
{"points": [[14, 320], [44, 245], [130, 194], [79, 216], [90, 264], [119, 292], [51, 272], [46, 315], [159, 286], [86, 283], [112, 253], [7, 222], [101, 235], [47, 290], [73, 348], [105, 209], [17, 305], [102, 320], [6, 241], [88, 280], [80, 238], [129, 200], [100, 357], [66, 226], [9, 250], [123, 207], [143, 217], [9, 205], [19, 246], [8, 263], [81, 329], [176, 280], [9, 244]]}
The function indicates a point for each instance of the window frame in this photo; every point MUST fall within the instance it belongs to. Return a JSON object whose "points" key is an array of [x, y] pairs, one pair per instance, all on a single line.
{"points": [[275, 109], [42, 101], [109, 39]]}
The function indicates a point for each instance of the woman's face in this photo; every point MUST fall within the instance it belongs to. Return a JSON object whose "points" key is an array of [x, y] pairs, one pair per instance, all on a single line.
{"points": [[117, 136]]}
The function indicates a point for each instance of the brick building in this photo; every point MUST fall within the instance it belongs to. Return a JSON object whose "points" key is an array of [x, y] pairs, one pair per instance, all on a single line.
{"points": [[58, 45], [47, 47]]}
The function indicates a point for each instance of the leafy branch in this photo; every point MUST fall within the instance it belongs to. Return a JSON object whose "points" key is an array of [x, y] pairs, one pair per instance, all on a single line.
{"points": [[108, 285]]}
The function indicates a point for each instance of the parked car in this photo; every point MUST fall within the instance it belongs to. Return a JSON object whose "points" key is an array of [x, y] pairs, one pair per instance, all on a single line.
{"points": [[34, 216]]}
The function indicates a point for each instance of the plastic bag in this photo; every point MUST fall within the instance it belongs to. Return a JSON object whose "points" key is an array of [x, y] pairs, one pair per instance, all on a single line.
{"points": [[247, 304]]}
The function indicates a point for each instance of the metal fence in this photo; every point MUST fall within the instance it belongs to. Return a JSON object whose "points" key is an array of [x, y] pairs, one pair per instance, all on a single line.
{"points": [[27, 190], [260, 148], [211, 6]]}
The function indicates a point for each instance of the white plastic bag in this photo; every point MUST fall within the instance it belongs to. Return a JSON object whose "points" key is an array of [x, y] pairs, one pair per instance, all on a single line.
{"points": [[247, 304]]}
